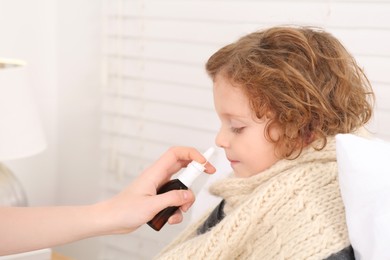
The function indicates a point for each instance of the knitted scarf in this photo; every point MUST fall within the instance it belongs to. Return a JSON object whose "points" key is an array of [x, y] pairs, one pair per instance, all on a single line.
{"points": [[292, 210]]}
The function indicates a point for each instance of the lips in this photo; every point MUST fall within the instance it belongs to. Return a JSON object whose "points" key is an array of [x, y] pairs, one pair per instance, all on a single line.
{"points": [[233, 161]]}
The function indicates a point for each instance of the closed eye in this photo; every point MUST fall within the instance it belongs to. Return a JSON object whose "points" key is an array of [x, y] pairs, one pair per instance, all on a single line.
{"points": [[237, 130]]}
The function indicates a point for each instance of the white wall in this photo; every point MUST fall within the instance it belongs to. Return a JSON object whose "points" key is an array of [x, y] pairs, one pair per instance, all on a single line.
{"points": [[60, 40], [28, 32], [79, 91]]}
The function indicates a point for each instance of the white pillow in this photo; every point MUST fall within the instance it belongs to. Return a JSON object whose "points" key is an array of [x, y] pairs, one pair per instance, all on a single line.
{"points": [[364, 175]]}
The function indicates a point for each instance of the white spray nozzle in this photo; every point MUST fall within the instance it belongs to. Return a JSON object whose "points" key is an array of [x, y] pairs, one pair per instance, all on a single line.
{"points": [[194, 169], [207, 155]]}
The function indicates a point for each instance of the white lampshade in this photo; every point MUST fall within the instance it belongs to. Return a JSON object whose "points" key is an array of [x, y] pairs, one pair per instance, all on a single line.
{"points": [[21, 132]]}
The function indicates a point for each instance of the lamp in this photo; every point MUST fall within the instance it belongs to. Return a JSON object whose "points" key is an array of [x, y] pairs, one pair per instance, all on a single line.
{"points": [[21, 133]]}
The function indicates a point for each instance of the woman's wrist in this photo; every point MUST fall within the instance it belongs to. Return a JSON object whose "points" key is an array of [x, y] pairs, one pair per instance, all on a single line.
{"points": [[109, 219]]}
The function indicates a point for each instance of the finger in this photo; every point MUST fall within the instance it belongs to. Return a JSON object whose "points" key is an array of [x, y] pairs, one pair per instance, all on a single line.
{"points": [[177, 166], [176, 218], [171, 161], [171, 198], [186, 206], [182, 156], [209, 168]]}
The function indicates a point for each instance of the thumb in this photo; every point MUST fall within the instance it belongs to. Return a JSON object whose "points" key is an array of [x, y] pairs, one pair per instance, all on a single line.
{"points": [[179, 198]]}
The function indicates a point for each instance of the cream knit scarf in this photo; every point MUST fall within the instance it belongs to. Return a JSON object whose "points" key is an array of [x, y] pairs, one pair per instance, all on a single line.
{"points": [[293, 210]]}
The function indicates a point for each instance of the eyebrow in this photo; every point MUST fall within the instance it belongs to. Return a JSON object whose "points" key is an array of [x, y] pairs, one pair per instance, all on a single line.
{"points": [[234, 115]]}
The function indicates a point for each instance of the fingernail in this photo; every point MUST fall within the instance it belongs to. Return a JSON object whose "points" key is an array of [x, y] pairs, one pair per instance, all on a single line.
{"points": [[185, 195]]}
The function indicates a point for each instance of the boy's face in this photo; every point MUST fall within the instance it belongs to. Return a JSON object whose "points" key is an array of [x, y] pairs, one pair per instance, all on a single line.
{"points": [[242, 137]]}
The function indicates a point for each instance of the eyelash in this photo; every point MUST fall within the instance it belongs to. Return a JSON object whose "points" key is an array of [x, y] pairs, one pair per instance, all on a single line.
{"points": [[237, 130]]}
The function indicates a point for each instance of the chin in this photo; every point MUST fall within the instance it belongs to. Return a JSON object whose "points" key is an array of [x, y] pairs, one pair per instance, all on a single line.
{"points": [[241, 174]]}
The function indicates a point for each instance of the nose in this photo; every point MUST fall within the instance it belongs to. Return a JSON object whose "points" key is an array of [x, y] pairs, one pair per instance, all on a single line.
{"points": [[221, 139]]}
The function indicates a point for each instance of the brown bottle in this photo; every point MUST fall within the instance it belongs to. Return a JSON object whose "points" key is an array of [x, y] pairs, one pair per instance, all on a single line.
{"points": [[193, 170], [162, 217]]}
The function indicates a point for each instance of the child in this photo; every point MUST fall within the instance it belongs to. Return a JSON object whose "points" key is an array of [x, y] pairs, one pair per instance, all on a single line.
{"points": [[282, 94]]}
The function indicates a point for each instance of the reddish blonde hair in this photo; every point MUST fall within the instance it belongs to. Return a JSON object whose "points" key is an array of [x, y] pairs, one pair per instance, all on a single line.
{"points": [[303, 79]]}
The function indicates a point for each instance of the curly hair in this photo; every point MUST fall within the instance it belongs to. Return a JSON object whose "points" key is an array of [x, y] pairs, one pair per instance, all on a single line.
{"points": [[303, 79]]}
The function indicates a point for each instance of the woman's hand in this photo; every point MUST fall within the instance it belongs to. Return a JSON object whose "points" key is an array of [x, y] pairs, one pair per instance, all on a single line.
{"points": [[31, 228], [139, 202]]}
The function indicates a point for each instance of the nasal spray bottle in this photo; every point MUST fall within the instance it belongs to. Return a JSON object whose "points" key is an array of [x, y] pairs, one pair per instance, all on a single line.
{"points": [[183, 182]]}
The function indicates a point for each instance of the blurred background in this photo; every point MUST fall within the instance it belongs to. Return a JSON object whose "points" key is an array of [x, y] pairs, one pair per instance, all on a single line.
{"points": [[117, 82]]}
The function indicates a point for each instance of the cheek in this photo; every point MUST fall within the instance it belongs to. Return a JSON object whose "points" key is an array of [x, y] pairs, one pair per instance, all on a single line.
{"points": [[260, 155], [259, 162]]}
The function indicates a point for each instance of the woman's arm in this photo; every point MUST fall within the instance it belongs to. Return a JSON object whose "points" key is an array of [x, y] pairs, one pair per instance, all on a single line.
{"points": [[30, 228]]}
